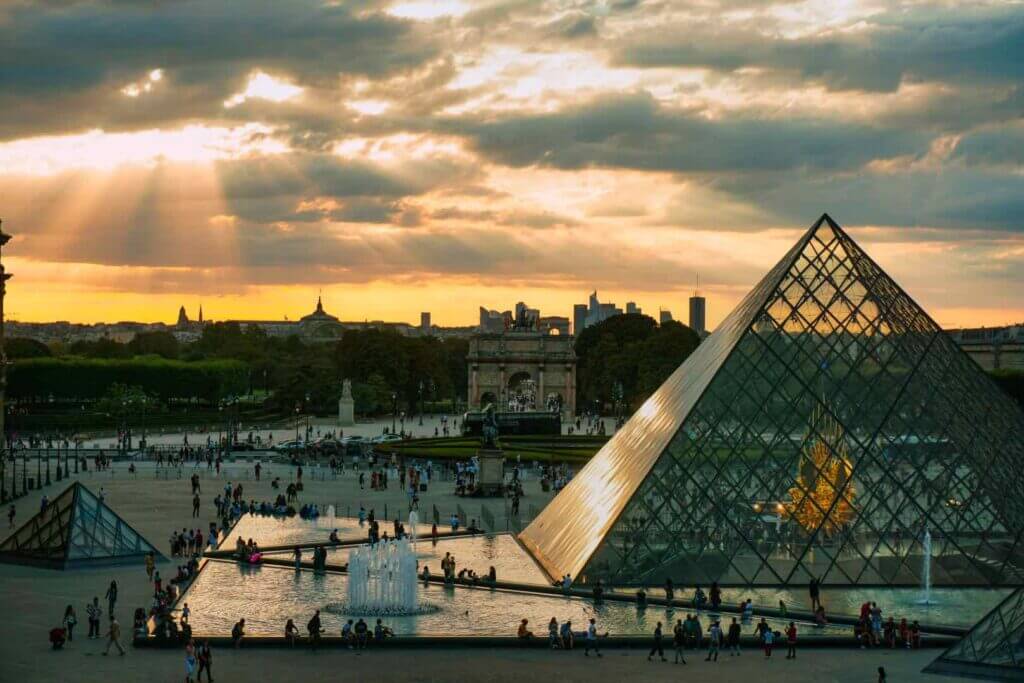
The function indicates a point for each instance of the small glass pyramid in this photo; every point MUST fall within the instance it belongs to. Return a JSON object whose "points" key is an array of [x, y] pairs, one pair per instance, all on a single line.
{"points": [[828, 429], [992, 649], [75, 529]]}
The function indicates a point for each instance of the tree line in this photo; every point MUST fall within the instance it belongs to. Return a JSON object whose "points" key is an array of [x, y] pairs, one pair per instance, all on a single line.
{"points": [[387, 369], [621, 361]]}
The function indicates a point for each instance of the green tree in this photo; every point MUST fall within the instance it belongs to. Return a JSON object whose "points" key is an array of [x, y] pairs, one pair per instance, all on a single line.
{"points": [[22, 347], [100, 348], [161, 344], [631, 350]]}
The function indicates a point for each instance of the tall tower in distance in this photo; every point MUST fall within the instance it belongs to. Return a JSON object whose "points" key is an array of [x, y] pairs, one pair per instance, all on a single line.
{"points": [[698, 309]]}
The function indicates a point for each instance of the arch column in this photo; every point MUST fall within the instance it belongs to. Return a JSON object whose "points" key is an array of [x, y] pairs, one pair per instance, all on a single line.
{"points": [[474, 385], [570, 390], [502, 392], [541, 398]]}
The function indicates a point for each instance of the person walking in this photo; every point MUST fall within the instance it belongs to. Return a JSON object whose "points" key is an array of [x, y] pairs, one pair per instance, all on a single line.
{"points": [[69, 621], [205, 658], [11, 512], [733, 638], [195, 505], [95, 613], [190, 660], [237, 633], [791, 641], [656, 646], [814, 589], [111, 596], [768, 640], [679, 640], [315, 630], [114, 636], [591, 640], [714, 641], [150, 565]]}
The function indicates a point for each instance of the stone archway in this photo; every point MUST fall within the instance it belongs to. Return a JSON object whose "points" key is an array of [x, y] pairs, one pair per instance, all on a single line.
{"points": [[522, 392], [488, 398]]}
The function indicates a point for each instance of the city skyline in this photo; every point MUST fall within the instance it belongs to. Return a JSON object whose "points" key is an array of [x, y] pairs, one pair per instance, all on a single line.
{"points": [[410, 156]]}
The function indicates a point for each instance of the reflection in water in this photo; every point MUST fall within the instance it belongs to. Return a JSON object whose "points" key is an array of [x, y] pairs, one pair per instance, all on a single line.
{"points": [[266, 597]]}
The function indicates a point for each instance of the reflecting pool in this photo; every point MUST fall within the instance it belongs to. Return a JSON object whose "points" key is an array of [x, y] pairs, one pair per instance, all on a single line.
{"points": [[266, 597]]}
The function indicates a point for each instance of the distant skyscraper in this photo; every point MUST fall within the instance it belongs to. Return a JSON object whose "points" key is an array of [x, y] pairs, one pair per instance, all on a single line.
{"points": [[494, 321], [664, 316], [631, 307], [425, 322], [593, 313], [579, 318], [697, 310]]}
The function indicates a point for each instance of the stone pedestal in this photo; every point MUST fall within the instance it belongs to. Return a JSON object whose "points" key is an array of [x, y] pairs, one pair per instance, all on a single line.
{"points": [[490, 480], [346, 406], [346, 412]]}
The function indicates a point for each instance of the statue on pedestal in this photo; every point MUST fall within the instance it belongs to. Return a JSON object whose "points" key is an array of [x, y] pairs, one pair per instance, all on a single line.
{"points": [[346, 405], [490, 428]]}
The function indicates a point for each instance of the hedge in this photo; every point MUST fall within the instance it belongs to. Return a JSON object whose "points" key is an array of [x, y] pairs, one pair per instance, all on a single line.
{"points": [[86, 379]]}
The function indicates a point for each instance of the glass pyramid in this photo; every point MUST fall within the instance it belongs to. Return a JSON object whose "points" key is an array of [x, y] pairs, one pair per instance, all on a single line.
{"points": [[992, 649], [75, 529], [828, 428]]}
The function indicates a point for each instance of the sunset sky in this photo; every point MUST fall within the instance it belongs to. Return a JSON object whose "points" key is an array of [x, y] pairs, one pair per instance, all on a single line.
{"points": [[445, 154]]}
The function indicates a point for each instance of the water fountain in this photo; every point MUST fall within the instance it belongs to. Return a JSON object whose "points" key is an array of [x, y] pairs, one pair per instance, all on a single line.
{"points": [[926, 569], [328, 520], [382, 580], [414, 520]]}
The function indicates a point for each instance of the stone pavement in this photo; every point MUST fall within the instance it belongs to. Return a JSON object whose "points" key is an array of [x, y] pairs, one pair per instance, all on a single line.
{"points": [[82, 662], [33, 601], [286, 432]]}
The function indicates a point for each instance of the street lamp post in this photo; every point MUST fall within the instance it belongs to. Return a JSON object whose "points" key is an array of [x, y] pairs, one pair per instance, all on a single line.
{"points": [[305, 442], [298, 409], [145, 402], [421, 403], [394, 410]]}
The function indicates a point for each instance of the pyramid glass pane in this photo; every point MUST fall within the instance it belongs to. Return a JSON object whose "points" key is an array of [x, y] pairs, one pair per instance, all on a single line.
{"points": [[993, 648], [828, 429], [75, 528]]}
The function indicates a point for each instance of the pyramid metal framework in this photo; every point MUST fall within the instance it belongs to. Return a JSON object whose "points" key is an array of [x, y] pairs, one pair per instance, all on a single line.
{"points": [[824, 430], [76, 529], [994, 647]]}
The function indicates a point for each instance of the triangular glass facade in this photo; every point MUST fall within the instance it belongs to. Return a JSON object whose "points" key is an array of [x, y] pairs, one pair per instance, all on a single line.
{"points": [[992, 649], [75, 528], [826, 429]]}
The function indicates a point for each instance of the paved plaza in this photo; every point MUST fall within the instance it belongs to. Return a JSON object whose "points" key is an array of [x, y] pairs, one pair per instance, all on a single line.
{"points": [[34, 601], [286, 431]]}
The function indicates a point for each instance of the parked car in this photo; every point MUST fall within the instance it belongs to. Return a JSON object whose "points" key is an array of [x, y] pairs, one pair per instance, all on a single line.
{"points": [[289, 446]]}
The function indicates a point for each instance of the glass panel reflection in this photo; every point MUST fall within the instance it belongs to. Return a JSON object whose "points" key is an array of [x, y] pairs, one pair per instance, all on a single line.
{"points": [[820, 432]]}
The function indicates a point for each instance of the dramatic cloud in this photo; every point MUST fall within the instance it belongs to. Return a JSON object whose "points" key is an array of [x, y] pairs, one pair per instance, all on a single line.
{"points": [[635, 132], [925, 43], [405, 154]]}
